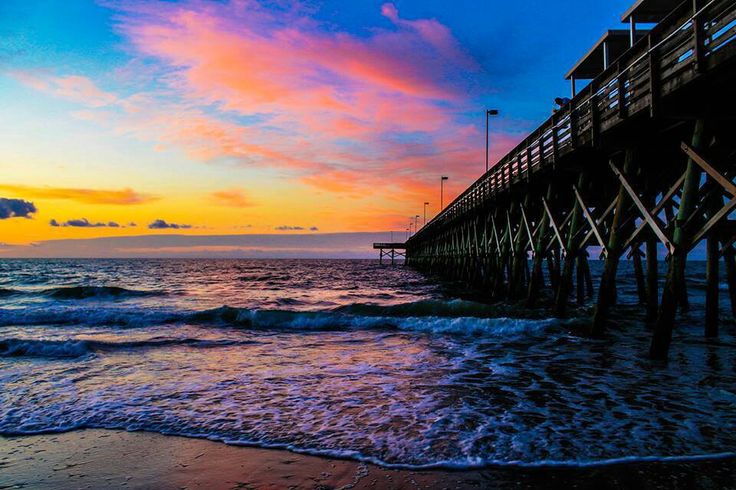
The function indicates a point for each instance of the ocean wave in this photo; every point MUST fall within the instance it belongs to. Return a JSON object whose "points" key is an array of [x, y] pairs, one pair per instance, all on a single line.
{"points": [[461, 463], [334, 320], [434, 307], [85, 292], [78, 348], [81, 292], [5, 292], [259, 319]]}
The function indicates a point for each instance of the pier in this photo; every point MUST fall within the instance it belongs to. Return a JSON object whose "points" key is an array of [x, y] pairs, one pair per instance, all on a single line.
{"points": [[639, 165], [390, 250]]}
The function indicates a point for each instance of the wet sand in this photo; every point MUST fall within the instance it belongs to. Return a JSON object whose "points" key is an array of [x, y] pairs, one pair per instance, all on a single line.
{"points": [[107, 458]]}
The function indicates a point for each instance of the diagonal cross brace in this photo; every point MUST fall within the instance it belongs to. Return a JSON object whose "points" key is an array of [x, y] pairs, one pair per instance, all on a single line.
{"points": [[591, 221], [554, 225], [651, 220]]}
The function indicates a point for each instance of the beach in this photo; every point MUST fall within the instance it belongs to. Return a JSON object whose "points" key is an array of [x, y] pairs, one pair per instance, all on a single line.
{"points": [[106, 458]]}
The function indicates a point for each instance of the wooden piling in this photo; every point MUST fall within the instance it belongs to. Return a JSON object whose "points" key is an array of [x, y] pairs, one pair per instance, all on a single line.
{"points": [[607, 288], [565, 280], [729, 258], [652, 280], [675, 283], [712, 281], [537, 275]]}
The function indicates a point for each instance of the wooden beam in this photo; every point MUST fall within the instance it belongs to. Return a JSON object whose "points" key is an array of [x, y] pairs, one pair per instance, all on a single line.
{"points": [[554, 225], [528, 230], [601, 219], [651, 221], [723, 212], [590, 219], [712, 172], [662, 203]]}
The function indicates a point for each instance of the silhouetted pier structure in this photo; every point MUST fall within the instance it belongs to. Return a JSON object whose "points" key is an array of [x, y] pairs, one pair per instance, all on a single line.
{"points": [[392, 250], [643, 157]]}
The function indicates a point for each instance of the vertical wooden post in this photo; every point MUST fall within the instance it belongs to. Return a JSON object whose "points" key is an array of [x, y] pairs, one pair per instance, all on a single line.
{"points": [[555, 257], [652, 280], [712, 279], [580, 278], [729, 257], [641, 289], [711, 285], [537, 275], [565, 284], [588, 275], [675, 282], [607, 289]]}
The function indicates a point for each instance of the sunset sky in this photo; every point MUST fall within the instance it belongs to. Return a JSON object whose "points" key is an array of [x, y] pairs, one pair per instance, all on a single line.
{"points": [[237, 117]]}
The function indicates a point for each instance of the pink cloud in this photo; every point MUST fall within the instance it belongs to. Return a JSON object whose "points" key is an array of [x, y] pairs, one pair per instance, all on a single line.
{"points": [[359, 116], [73, 87]]}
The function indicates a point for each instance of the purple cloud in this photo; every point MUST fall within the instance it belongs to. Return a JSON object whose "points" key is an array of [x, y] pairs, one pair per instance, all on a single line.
{"points": [[83, 223], [160, 224], [16, 208]]}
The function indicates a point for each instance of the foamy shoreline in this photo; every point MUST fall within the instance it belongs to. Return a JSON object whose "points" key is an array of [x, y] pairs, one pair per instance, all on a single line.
{"points": [[98, 458]]}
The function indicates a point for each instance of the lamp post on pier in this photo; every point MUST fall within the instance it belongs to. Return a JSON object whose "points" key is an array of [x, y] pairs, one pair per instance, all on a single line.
{"points": [[489, 113], [416, 223], [425, 212], [442, 192]]}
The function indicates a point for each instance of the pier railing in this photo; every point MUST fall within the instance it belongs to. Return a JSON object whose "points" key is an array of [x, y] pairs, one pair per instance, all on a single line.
{"points": [[674, 53]]}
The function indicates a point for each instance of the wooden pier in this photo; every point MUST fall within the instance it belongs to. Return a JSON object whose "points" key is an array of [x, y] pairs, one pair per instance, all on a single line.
{"points": [[391, 250], [639, 164]]}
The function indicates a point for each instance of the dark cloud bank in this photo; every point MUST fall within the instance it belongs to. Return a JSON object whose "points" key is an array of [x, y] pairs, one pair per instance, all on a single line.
{"points": [[83, 223], [16, 208], [160, 224]]}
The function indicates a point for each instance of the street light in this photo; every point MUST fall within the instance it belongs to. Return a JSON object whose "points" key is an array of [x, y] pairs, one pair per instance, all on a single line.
{"points": [[489, 113], [442, 192], [425, 212], [416, 223]]}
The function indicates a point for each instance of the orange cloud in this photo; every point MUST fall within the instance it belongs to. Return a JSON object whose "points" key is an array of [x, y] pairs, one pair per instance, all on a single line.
{"points": [[88, 196], [231, 197]]}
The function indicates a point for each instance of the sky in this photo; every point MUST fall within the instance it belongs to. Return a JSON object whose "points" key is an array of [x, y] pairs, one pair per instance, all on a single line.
{"points": [[266, 118]]}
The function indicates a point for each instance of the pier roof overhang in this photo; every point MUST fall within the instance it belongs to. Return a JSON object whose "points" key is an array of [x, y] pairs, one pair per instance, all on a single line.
{"points": [[616, 41], [650, 11]]}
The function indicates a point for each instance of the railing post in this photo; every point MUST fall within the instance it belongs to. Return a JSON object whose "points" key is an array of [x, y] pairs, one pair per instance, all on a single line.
{"points": [[698, 39], [594, 115], [555, 142], [621, 87], [572, 125], [653, 78], [541, 149]]}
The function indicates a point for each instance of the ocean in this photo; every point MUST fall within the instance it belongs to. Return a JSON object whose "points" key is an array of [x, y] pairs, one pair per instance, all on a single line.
{"points": [[355, 360]]}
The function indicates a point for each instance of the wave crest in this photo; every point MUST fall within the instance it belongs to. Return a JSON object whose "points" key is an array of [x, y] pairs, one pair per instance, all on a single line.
{"points": [[84, 292]]}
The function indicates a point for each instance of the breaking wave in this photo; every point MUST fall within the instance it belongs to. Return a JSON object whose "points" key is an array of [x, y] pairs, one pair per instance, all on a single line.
{"points": [[257, 319], [79, 348]]}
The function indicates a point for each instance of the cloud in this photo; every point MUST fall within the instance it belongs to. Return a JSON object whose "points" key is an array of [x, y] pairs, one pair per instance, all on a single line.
{"points": [[16, 208], [160, 224], [73, 87], [231, 197], [249, 84], [87, 196], [289, 228], [83, 223], [313, 228]]}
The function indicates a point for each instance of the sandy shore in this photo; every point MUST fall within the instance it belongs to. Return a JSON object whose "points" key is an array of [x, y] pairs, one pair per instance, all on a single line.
{"points": [[105, 458]]}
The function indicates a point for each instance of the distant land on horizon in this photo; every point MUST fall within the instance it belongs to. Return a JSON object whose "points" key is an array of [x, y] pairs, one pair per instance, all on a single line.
{"points": [[355, 245]]}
